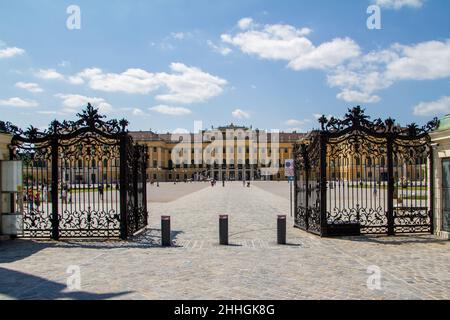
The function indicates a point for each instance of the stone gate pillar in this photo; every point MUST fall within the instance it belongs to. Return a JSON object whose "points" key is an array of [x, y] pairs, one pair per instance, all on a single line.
{"points": [[441, 170], [5, 140]]}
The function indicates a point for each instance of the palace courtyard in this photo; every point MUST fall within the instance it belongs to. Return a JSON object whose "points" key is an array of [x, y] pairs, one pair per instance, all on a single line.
{"points": [[253, 266]]}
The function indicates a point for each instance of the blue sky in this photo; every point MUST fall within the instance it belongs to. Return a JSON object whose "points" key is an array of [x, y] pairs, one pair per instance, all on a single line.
{"points": [[270, 64]]}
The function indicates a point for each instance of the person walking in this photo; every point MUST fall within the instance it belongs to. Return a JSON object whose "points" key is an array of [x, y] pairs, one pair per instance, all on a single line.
{"points": [[69, 195], [100, 191], [64, 195], [44, 193], [30, 199], [37, 200]]}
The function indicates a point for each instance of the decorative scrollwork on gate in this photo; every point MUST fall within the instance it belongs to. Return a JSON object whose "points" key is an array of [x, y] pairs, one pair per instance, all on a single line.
{"points": [[136, 201], [308, 197], [356, 119], [369, 176], [73, 184]]}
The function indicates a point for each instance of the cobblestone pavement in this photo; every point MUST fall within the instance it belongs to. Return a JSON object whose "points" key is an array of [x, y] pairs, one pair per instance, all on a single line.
{"points": [[252, 267]]}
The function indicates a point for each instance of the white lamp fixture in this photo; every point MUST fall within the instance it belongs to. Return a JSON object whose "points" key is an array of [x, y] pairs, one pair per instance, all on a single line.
{"points": [[11, 176]]}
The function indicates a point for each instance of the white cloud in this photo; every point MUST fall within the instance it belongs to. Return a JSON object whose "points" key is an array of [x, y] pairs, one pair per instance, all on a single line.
{"points": [[131, 81], [219, 49], [294, 122], [398, 4], [137, 112], [433, 108], [245, 23], [327, 55], [49, 74], [75, 80], [357, 96], [286, 42], [188, 85], [240, 114], [11, 52], [184, 84], [363, 76], [424, 61], [358, 76], [172, 111], [29, 86], [73, 103], [181, 35], [19, 103], [51, 113]]}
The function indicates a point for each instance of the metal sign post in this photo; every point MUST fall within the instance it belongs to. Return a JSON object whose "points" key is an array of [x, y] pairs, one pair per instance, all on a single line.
{"points": [[289, 172]]}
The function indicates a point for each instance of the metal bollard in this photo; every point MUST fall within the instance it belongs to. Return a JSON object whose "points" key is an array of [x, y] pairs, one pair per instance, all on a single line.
{"points": [[281, 229], [223, 229], [166, 240]]}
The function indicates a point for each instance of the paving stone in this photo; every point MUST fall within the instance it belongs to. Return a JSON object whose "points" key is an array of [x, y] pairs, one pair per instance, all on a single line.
{"points": [[254, 267]]}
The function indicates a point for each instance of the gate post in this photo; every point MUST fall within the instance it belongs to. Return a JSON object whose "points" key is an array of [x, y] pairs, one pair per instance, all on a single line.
{"points": [[136, 158], [323, 185], [144, 186], [123, 186], [307, 171], [391, 186], [431, 188], [54, 194]]}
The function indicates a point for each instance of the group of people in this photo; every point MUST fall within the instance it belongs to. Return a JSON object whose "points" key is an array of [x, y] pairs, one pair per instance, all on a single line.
{"points": [[66, 195], [33, 199], [244, 183]]}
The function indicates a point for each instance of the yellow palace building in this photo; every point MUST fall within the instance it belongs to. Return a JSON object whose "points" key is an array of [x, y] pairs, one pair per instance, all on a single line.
{"points": [[231, 152]]}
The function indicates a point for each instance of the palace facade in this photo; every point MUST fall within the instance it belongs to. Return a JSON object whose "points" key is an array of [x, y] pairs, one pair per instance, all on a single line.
{"points": [[224, 153]]}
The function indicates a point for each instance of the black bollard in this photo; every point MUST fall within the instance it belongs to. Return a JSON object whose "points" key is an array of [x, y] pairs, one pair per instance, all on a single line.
{"points": [[281, 230], [223, 229], [166, 240]]}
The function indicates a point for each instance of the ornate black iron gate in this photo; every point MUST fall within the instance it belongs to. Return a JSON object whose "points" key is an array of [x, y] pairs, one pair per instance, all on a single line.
{"points": [[359, 176], [81, 179]]}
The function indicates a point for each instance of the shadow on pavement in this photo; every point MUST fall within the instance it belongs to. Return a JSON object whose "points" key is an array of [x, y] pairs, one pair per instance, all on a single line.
{"points": [[18, 249], [396, 240], [23, 286]]}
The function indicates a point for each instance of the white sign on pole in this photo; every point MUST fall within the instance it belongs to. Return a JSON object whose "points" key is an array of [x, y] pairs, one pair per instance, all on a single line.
{"points": [[289, 168], [11, 173]]}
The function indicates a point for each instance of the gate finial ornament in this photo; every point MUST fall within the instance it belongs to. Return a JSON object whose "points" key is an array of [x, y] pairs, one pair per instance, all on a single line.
{"points": [[357, 119]]}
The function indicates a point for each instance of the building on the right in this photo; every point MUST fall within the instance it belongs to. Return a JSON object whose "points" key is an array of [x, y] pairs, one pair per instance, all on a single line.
{"points": [[441, 156]]}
